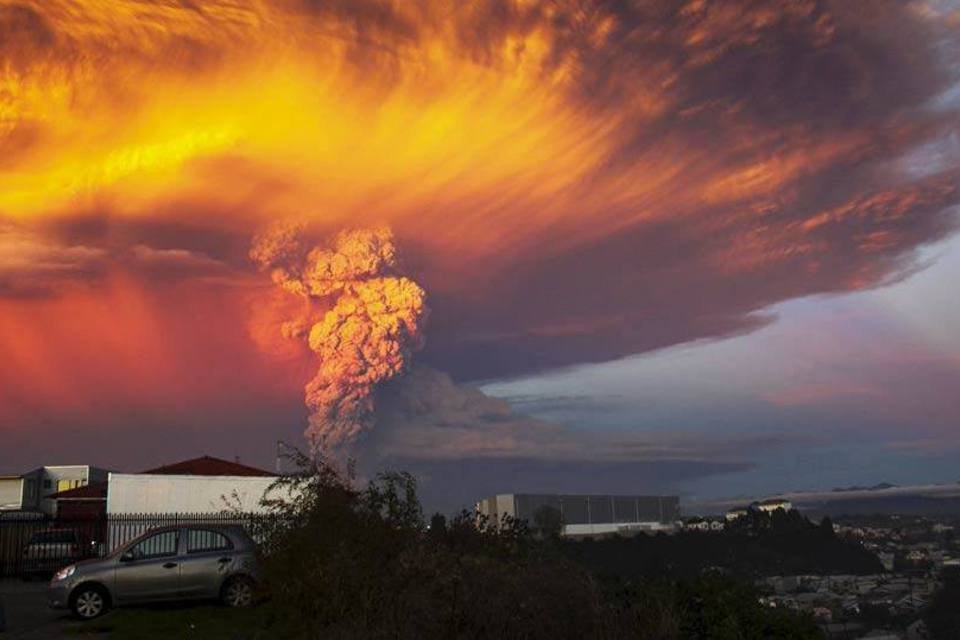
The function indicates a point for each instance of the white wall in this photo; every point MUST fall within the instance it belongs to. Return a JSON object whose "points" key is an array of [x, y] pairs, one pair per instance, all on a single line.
{"points": [[11, 493], [146, 493]]}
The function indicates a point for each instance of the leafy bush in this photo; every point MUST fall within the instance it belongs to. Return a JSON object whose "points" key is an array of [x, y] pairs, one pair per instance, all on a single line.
{"points": [[343, 562]]}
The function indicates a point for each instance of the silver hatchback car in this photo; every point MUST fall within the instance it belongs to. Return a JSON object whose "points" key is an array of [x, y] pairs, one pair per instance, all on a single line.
{"points": [[187, 562]]}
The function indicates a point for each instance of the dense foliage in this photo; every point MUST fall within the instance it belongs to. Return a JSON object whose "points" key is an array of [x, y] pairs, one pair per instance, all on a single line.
{"points": [[760, 544], [349, 563], [943, 614]]}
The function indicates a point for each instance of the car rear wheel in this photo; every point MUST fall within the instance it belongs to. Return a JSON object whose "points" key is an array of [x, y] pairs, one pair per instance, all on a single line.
{"points": [[238, 592], [89, 602]]}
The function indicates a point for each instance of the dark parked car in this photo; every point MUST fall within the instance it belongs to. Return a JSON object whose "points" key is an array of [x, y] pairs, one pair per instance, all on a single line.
{"points": [[48, 550], [188, 562]]}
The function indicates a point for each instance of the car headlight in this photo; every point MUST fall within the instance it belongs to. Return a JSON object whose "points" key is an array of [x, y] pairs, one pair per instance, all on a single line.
{"points": [[64, 573]]}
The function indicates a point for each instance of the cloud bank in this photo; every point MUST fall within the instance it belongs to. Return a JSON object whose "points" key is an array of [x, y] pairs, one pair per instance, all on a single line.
{"points": [[570, 181]]}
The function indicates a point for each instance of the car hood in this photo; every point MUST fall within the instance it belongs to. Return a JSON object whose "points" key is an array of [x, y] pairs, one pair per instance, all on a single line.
{"points": [[92, 563]]}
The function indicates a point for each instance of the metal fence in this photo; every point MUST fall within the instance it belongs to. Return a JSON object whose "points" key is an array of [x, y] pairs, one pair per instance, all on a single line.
{"points": [[37, 544]]}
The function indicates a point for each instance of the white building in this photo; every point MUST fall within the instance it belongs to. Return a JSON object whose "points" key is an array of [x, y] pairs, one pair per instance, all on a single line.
{"points": [[774, 504], [736, 513], [144, 493], [202, 486], [587, 515]]}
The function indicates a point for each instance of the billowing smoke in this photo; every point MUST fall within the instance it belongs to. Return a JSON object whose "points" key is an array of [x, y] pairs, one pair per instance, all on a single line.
{"points": [[373, 322]]}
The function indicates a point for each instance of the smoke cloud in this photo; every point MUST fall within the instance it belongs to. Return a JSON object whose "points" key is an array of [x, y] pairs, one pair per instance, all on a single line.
{"points": [[363, 339]]}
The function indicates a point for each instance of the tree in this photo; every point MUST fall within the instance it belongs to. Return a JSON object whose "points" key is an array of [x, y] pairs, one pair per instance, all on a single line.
{"points": [[348, 562], [548, 521], [943, 615]]}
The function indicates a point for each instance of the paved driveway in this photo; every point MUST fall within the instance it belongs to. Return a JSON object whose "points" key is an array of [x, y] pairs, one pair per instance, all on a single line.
{"points": [[27, 614]]}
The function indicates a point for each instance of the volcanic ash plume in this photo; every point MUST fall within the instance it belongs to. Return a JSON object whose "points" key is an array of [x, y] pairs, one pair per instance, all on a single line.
{"points": [[365, 337]]}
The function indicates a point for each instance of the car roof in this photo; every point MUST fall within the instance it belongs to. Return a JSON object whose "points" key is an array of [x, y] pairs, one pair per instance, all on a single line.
{"points": [[196, 525]]}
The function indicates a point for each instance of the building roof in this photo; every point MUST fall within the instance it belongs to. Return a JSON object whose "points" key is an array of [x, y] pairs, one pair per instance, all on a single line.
{"points": [[202, 466], [208, 466]]}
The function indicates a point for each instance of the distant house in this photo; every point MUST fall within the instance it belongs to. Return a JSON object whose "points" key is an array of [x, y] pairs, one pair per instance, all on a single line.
{"points": [[33, 491], [736, 513], [773, 504], [703, 524]]}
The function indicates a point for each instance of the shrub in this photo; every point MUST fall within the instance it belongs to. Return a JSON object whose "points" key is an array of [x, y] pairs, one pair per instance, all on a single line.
{"points": [[343, 562]]}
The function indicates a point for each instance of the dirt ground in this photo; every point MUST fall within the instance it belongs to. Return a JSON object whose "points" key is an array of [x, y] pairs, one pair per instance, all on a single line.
{"points": [[26, 613]]}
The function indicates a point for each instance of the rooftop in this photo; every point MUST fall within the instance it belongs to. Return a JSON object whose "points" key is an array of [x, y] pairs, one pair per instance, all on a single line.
{"points": [[202, 466], [208, 466]]}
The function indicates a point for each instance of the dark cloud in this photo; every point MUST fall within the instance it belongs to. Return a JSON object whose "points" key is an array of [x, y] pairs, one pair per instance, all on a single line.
{"points": [[736, 154], [424, 415], [36, 263], [32, 265]]}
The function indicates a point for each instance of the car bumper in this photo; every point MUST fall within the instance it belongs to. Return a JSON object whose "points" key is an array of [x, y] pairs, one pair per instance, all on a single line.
{"points": [[58, 595]]}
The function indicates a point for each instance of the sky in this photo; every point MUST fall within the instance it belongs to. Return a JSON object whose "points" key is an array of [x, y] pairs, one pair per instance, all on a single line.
{"points": [[692, 247]]}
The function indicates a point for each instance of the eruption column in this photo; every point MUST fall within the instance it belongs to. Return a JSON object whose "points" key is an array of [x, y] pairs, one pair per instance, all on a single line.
{"points": [[368, 334]]}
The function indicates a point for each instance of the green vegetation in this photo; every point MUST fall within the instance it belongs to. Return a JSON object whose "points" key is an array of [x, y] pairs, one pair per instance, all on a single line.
{"points": [[348, 563], [781, 543]]}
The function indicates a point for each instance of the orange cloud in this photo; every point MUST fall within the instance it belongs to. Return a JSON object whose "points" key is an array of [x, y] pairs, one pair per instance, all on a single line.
{"points": [[569, 181]]}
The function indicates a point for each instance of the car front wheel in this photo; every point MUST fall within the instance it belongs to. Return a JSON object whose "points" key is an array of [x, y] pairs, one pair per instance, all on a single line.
{"points": [[238, 592], [89, 602]]}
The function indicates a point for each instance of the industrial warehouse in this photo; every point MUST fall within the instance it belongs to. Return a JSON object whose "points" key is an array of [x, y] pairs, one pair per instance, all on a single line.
{"points": [[588, 515]]}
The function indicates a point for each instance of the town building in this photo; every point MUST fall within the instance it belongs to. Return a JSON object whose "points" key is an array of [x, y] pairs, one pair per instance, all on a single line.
{"points": [[773, 504], [33, 490], [736, 513], [587, 515]]}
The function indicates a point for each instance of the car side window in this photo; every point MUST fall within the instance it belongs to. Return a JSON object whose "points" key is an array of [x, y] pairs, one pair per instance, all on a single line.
{"points": [[161, 545], [203, 540]]}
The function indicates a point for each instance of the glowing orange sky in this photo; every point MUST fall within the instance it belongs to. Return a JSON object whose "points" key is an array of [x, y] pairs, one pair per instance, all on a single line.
{"points": [[570, 181]]}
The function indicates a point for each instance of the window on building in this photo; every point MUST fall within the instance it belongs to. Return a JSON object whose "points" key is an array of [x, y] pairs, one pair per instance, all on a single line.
{"points": [[161, 545], [202, 540], [47, 484], [64, 485]]}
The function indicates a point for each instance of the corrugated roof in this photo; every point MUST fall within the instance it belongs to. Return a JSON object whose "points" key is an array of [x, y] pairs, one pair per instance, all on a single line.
{"points": [[208, 466]]}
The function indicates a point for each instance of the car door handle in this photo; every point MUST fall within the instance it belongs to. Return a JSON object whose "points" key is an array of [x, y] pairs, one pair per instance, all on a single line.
{"points": [[169, 565]]}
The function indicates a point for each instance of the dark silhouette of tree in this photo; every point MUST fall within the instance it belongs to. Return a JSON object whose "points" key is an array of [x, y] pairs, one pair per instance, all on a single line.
{"points": [[343, 562], [943, 615], [438, 524], [547, 521]]}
